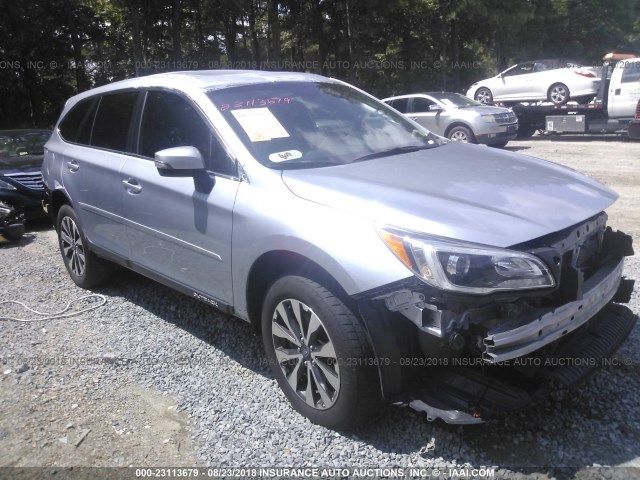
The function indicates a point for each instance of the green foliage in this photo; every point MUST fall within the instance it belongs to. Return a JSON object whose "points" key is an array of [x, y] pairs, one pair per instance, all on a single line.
{"points": [[51, 50]]}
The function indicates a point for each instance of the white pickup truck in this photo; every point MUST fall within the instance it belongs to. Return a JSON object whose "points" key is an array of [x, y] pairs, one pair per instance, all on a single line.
{"points": [[611, 111]]}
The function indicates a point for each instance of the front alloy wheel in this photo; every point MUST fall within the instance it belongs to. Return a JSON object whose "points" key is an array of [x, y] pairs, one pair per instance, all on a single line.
{"points": [[484, 96], [319, 353], [461, 134], [558, 94], [305, 353]]}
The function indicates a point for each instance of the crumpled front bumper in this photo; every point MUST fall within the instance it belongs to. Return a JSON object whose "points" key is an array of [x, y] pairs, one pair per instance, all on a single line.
{"points": [[11, 221], [471, 394], [512, 340]]}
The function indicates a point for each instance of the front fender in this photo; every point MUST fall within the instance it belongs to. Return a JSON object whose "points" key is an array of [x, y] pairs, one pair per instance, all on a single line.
{"points": [[344, 245]]}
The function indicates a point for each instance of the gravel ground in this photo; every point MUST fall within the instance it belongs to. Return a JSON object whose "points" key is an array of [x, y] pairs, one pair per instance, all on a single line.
{"points": [[154, 378]]}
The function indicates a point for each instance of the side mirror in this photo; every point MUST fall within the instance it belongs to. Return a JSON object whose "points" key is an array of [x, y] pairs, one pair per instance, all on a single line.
{"points": [[435, 108], [179, 159], [184, 162]]}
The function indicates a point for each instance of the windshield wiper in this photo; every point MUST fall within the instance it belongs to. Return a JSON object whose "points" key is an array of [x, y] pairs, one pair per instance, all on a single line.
{"points": [[308, 163], [395, 151]]}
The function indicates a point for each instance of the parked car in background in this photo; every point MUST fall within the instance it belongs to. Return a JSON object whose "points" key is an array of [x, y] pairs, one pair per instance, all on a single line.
{"points": [[611, 111], [634, 126], [458, 117], [21, 188], [377, 259], [556, 81]]}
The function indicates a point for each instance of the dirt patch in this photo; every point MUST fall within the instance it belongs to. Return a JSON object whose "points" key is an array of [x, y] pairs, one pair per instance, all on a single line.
{"points": [[65, 398], [104, 426]]}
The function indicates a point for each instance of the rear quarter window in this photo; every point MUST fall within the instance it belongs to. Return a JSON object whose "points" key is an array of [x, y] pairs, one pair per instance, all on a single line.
{"points": [[76, 125]]}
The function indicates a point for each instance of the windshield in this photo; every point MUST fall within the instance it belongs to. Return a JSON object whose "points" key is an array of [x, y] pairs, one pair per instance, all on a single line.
{"points": [[455, 99], [309, 124], [17, 144]]}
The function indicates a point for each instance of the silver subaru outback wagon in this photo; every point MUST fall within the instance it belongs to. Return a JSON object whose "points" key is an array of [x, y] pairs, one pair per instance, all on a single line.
{"points": [[379, 261]]}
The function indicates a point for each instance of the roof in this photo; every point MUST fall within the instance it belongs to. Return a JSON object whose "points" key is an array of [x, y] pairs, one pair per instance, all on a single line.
{"points": [[204, 80]]}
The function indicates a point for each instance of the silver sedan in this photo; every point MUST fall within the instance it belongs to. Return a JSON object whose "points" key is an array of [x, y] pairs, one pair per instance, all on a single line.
{"points": [[458, 117]]}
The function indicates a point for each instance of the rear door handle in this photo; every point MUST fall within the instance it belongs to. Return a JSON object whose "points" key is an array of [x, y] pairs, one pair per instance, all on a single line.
{"points": [[132, 186], [72, 165]]}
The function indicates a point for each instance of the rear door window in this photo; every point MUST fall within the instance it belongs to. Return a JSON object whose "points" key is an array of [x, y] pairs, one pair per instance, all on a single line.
{"points": [[113, 120]]}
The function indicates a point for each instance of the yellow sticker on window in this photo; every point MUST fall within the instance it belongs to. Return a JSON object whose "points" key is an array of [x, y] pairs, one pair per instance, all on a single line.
{"points": [[259, 124]]}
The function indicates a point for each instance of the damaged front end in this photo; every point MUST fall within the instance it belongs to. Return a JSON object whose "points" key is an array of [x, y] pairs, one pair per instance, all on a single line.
{"points": [[481, 345], [12, 223]]}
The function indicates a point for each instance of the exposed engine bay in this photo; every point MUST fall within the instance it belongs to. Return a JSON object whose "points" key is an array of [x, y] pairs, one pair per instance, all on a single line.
{"points": [[484, 352]]}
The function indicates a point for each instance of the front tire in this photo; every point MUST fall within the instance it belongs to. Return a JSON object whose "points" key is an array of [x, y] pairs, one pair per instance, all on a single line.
{"points": [[319, 353], [484, 96], [558, 94], [525, 132], [83, 266], [461, 134]]}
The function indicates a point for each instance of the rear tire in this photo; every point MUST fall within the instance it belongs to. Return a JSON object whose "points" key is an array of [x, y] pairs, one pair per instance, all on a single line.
{"points": [[499, 144], [83, 266], [319, 353]]}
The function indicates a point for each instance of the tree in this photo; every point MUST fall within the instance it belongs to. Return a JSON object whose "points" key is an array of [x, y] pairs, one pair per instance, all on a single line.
{"points": [[51, 50]]}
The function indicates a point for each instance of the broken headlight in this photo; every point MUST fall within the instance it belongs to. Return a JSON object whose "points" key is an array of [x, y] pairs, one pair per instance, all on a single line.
{"points": [[6, 186], [5, 210], [466, 267]]}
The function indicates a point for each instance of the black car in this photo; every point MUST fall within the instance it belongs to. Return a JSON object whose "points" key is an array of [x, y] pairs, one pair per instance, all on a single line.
{"points": [[21, 188]]}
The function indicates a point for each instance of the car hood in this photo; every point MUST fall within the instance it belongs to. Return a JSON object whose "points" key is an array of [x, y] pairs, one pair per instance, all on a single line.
{"points": [[23, 164], [466, 192]]}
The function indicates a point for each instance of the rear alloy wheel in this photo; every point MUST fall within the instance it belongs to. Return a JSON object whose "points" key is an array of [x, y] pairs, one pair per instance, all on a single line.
{"points": [[83, 266], [484, 96], [318, 353], [461, 134], [558, 94]]}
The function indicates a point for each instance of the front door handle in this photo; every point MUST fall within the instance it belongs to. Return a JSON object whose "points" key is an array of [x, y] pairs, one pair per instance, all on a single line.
{"points": [[72, 165], [132, 186]]}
